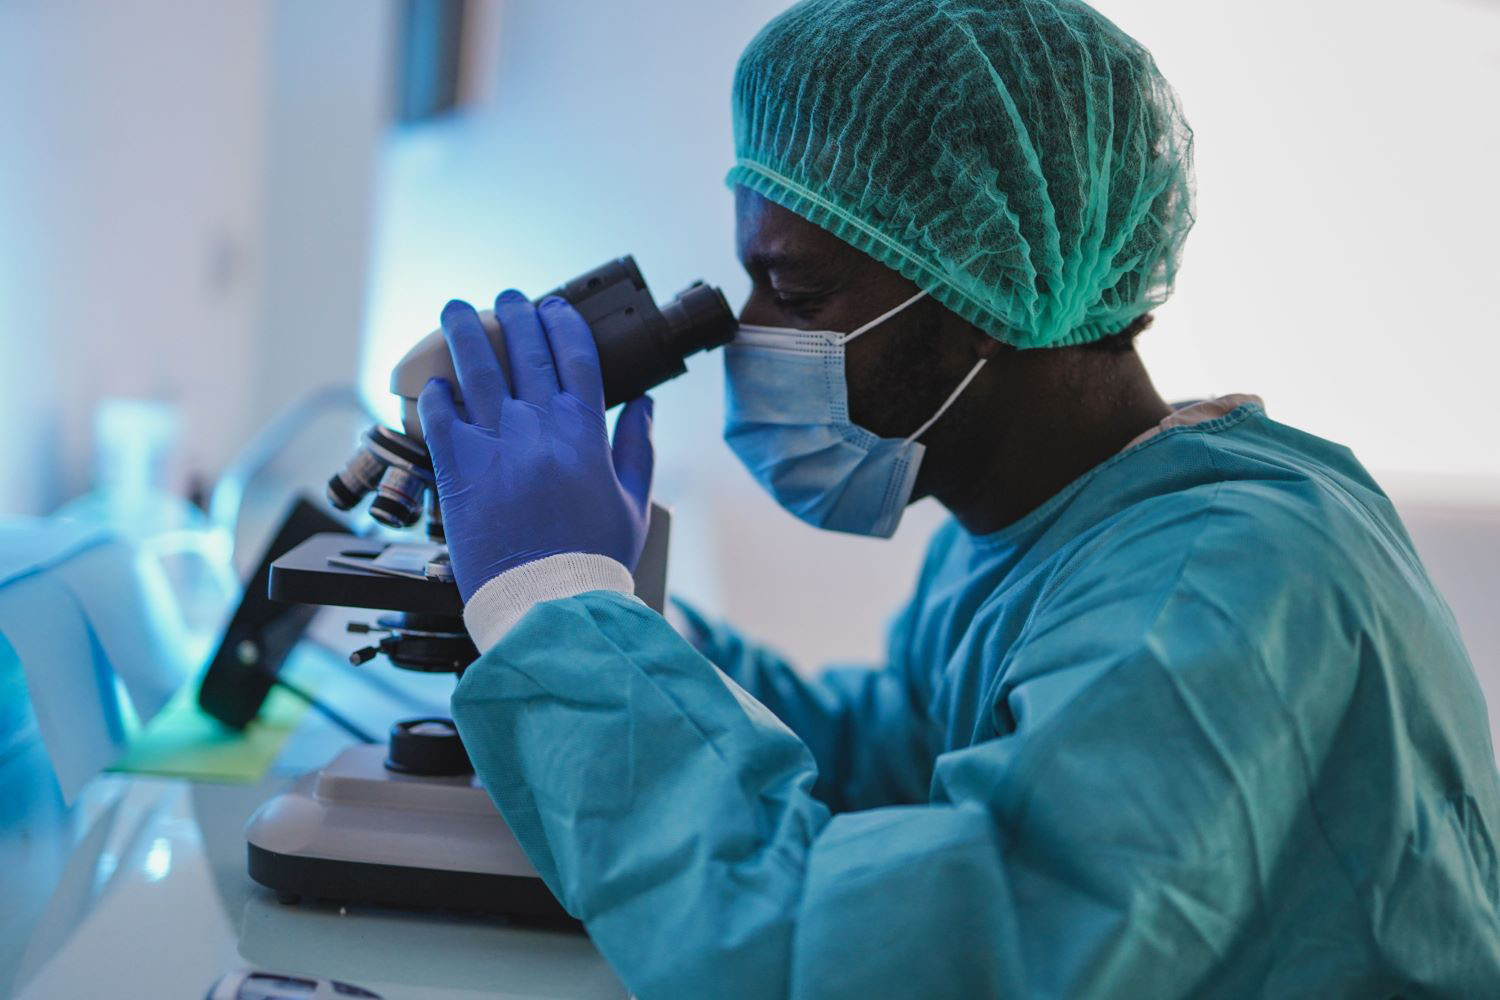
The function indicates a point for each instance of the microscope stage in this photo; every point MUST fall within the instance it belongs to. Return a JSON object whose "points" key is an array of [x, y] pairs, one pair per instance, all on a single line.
{"points": [[306, 576]]}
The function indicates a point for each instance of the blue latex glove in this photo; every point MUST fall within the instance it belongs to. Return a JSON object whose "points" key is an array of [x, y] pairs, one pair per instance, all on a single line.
{"points": [[531, 472]]}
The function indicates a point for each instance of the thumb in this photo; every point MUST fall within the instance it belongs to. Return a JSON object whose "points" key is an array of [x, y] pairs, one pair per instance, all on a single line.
{"points": [[633, 454], [437, 411]]}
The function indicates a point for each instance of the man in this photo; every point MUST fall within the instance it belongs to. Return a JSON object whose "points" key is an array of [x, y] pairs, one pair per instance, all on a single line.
{"points": [[1174, 709]]}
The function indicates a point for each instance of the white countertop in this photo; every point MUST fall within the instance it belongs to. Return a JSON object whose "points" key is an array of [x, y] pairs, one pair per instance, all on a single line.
{"points": [[139, 890]]}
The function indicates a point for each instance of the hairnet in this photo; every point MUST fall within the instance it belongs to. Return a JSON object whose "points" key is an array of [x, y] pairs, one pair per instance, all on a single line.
{"points": [[1023, 161]]}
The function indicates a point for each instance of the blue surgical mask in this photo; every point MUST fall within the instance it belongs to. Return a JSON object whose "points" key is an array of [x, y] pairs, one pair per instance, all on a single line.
{"points": [[788, 421]]}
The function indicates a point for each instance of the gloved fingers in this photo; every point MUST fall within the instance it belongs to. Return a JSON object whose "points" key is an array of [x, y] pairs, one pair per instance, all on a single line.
{"points": [[437, 411], [634, 455], [573, 349], [480, 379], [532, 374]]}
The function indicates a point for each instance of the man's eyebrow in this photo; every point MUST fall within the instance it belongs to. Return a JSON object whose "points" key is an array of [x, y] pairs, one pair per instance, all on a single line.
{"points": [[777, 261]]}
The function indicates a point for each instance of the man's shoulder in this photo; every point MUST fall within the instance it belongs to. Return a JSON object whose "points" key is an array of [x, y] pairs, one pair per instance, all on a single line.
{"points": [[1270, 491], [1284, 515]]}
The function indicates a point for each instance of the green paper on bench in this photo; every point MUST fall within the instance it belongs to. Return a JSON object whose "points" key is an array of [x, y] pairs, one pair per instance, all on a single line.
{"points": [[185, 742]]}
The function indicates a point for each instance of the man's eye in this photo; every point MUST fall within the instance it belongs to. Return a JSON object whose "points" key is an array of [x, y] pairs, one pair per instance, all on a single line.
{"points": [[801, 306]]}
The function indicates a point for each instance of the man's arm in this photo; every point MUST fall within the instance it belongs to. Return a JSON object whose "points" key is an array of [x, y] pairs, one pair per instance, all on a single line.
{"points": [[1117, 843], [869, 737]]}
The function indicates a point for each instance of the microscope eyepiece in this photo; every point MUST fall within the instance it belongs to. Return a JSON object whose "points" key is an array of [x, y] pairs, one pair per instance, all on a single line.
{"points": [[698, 319], [640, 345]]}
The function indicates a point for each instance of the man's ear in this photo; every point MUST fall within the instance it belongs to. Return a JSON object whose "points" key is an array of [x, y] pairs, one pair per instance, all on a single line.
{"points": [[985, 346]]}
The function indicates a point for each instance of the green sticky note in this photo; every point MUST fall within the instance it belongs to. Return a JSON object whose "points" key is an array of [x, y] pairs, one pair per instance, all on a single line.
{"points": [[185, 742]]}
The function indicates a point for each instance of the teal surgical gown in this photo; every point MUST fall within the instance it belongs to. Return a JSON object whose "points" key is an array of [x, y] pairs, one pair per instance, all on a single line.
{"points": [[1198, 726]]}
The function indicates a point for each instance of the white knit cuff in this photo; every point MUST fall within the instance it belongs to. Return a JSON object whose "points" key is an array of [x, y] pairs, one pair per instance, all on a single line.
{"points": [[505, 599]]}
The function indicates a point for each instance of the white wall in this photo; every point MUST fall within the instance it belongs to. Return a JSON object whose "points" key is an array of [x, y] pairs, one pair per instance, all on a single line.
{"points": [[329, 95], [131, 134], [184, 202], [1343, 263]]}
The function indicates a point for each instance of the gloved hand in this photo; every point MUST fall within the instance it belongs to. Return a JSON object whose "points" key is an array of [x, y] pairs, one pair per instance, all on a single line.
{"points": [[531, 472]]}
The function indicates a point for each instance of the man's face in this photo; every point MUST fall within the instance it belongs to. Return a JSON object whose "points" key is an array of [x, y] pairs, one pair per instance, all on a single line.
{"points": [[802, 276]]}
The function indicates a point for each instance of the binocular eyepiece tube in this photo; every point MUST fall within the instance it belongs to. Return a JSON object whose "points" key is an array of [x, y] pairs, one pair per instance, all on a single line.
{"points": [[640, 346]]}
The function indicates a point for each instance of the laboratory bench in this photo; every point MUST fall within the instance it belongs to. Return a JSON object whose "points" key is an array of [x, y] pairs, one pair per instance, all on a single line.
{"points": [[138, 889]]}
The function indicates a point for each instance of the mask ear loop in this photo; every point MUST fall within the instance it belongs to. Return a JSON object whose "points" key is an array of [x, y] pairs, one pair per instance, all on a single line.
{"points": [[841, 341], [953, 398]]}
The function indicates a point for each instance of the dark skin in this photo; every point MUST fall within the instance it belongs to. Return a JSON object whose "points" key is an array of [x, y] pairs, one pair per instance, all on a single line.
{"points": [[1029, 424]]}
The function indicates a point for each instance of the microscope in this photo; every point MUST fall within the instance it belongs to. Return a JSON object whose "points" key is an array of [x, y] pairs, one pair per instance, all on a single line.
{"points": [[407, 823]]}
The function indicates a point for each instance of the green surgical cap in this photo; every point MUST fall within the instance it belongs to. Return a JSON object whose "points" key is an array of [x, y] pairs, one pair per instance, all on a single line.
{"points": [[1022, 161]]}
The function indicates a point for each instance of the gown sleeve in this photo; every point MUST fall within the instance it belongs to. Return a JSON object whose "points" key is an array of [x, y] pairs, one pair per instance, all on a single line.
{"points": [[865, 727], [1109, 837]]}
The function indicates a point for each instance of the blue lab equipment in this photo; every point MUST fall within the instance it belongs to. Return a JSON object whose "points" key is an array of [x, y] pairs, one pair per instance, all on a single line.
{"points": [[92, 622]]}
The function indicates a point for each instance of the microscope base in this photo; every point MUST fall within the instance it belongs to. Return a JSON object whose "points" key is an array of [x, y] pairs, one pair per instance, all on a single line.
{"points": [[355, 832]]}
